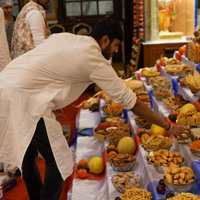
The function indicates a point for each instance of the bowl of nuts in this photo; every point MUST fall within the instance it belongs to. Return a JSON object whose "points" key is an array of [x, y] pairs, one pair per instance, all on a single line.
{"points": [[122, 162]]}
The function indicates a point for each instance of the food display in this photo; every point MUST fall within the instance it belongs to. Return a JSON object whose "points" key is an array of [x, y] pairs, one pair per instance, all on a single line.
{"points": [[112, 109], [189, 119], [122, 162], [114, 135], [157, 142], [163, 158], [136, 194], [175, 103], [195, 133], [159, 82], [195, 147], [135, 85], [123, 181], [181, 70], [172, 61], [193, 82], [115, 120], [188, 196], [142, 123], [150, 73], [179, 179], [162, 93]]}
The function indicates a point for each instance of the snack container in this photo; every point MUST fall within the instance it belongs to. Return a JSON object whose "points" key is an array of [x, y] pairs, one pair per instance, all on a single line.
{"points": [[160, 97], [135, 181], [179, 187], [195, 152], [162, 169], [122, 167], [115, 120]]}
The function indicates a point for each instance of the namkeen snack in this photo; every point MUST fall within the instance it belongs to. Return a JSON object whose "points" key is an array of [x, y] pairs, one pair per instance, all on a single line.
{"points": [[136, 194], [195, 145], [189, 119], [123, 181], [113, 108], [179, 175], [114, 135], [185, 196], [165, 158], [157, 142]]}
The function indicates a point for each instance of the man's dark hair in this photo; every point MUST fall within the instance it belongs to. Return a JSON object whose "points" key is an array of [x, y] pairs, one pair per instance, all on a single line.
{"points": [[107, 27]]}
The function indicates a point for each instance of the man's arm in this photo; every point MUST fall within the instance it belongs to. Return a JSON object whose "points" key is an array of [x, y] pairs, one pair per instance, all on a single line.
{"points": [[37, 25], [143, 111]]}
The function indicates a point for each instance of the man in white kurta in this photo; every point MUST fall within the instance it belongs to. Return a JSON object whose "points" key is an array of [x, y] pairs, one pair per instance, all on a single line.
{"points": [[49, 77]]}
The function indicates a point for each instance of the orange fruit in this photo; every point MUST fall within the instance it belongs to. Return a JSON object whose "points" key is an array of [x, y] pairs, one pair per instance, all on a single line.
{"points": [[162, 60], [145, 136], [101, 93], [111, 153], [181, 50], [82, 173], [111, 146], [140, 129], [83, 162]]}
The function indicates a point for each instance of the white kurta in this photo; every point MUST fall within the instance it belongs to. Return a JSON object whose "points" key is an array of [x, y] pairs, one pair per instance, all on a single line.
{"points": [[49, 77]]}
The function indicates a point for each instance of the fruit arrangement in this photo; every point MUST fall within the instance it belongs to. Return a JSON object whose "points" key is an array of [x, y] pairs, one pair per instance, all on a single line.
{"points": [[92, 104], [82, 169], [96, 165]]}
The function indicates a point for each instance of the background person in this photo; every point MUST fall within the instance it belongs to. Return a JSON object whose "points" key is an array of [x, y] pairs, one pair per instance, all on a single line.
{"points": [[30, 28], [4, 50], [7, 6], [49, 77]]}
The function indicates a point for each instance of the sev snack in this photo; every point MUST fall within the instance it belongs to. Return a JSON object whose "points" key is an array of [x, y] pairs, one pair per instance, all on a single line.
{"points": [[136, 194], [195, 145], [116, 134], [185, 196]]}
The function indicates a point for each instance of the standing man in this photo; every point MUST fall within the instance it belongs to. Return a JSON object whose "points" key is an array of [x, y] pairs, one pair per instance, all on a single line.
{"points": [[49, 77], [30, 28]]}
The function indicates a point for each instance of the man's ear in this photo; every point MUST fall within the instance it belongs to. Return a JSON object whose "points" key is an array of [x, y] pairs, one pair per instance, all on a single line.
{"points": [[104, 42]]}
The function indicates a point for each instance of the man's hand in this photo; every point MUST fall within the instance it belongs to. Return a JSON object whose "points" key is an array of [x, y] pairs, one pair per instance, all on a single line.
{"points": [[59, 114], [181, 131]]}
